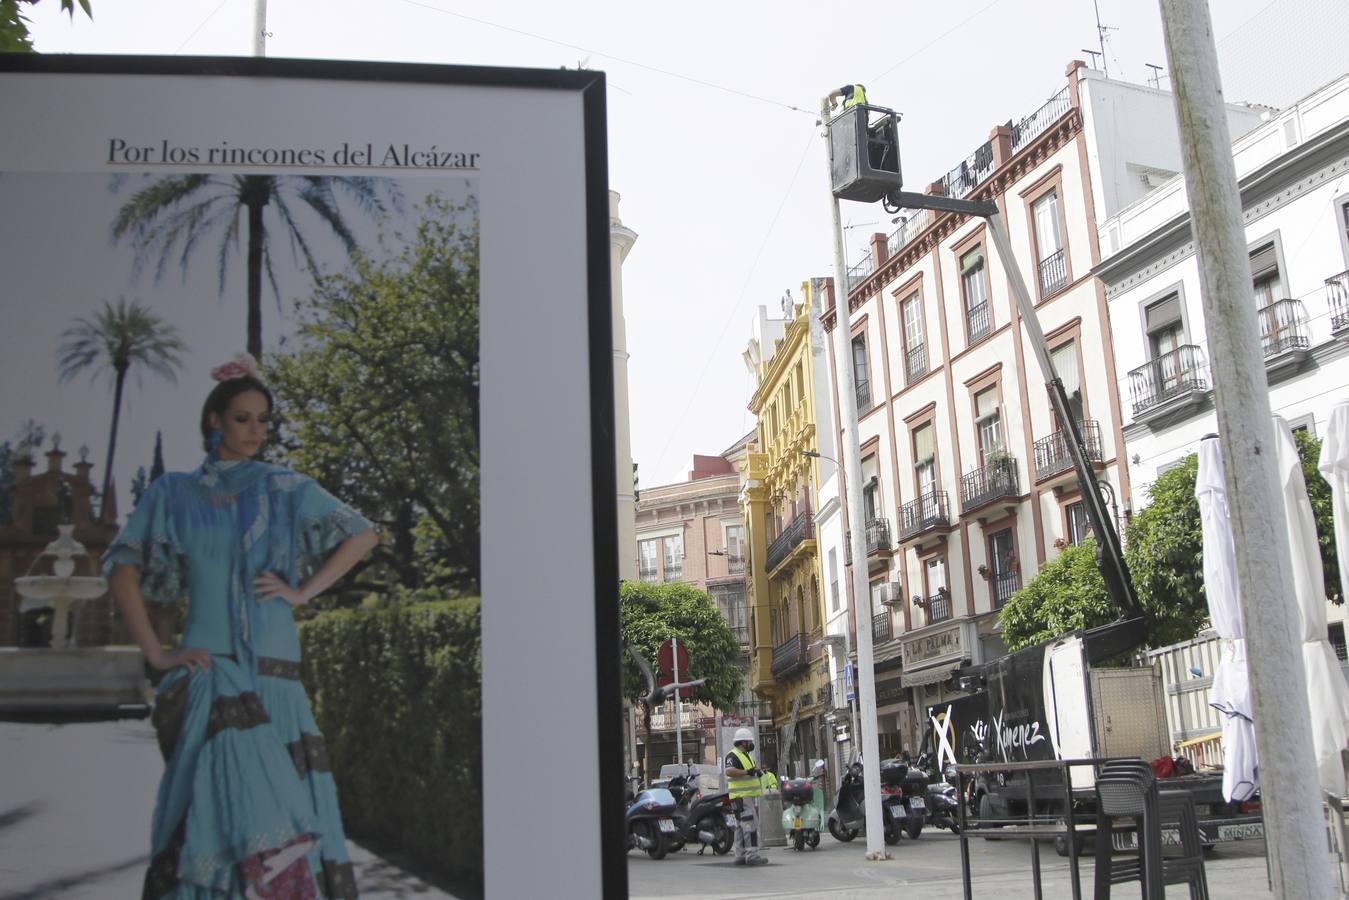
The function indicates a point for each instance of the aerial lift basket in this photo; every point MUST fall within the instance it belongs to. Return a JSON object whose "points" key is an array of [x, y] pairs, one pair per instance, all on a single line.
{"points": [[865, 141]]}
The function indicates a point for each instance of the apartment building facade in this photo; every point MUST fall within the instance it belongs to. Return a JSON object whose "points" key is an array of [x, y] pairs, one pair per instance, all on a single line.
{"points": [[967, 484]]}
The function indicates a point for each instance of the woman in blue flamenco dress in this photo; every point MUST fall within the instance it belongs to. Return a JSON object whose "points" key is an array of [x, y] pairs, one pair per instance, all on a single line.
{"points": [[247, 806]]}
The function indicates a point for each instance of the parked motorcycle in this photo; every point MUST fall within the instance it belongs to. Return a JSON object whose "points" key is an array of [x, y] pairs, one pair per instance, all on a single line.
{"points": [[899, 777], [848, 817], [701, 817], [803, 809], [649, 822]]}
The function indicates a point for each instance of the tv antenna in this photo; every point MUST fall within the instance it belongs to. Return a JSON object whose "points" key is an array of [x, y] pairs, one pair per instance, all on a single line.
{"points": [[1101, 33], [1156, 77]]}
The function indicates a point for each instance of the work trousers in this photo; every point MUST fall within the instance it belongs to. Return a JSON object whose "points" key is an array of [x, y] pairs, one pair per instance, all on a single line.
{"points": [[746, 811]]}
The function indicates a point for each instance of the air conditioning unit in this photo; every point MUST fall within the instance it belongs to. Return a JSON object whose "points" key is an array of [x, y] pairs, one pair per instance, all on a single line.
{"points": [[891, 593]]}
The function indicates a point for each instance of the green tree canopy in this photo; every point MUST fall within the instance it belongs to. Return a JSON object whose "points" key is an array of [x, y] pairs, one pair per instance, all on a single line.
{"points": [[14, 37], [1164, 552], [650, 614], [379, 402]]}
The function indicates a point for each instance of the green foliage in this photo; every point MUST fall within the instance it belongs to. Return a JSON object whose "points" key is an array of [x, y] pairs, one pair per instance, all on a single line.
{"points": [[650, 614], [21, 447], [397, 694], [14, 37], [1164, 552], [379, 402]]}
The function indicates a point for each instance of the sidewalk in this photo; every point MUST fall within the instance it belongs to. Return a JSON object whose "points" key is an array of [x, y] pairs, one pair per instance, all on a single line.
{"points": [[75, 806]]}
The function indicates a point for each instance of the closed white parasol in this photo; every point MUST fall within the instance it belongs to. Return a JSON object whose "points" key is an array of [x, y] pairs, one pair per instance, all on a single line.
{"points": [[1327, 693], [1231, 683]]}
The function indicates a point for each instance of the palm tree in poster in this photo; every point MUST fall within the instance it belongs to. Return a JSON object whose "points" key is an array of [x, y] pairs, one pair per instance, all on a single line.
{"points": [[173, 215], [118, 338]]}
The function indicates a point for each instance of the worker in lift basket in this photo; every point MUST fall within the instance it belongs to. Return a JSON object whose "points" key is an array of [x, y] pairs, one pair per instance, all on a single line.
{"points": [[851, 94], [745, 788]]}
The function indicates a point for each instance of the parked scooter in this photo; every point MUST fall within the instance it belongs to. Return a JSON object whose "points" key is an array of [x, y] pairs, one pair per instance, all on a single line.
{"points": [[649, 822], [803, 808], [899, 777], [701, 817], [848, 817], [943, 806]]}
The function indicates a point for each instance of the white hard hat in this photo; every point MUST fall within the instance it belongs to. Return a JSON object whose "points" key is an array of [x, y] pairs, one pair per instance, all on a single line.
{"points": [[743, 734], [819, 766]]}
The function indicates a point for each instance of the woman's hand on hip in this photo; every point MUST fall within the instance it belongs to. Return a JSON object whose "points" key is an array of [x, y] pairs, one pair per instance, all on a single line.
{"points": [[193, 658], [269, 585]]}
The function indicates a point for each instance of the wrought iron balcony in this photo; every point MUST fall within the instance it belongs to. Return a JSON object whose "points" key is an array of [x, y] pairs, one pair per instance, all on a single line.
{"points": [[1337, 290], [1029, 128], [878, 535], [735, 565], [1283, 327], [938, 608], [790, 657], [863, 397], [801, 529], [1051, 453], [650, 576], [880, 627], [1005, 584], [1169, 376], [928, 511], [674, 570], [978, 322], [1053, 274], [997, 479], [915, 363], [859, 271]]}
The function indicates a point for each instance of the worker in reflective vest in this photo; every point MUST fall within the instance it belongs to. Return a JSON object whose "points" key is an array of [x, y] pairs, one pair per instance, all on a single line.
{"points": [[744, 787], [851, 94]]}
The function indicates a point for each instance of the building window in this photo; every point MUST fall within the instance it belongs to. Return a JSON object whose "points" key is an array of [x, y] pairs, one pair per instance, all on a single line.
{"points": [[647, 570], [1079, 526], [1052, 264], [735, 549], [978, 321], [938, 595], [833, 579], [915, 353], [924, 459], [860, 374], [988, 419], [1003, 564], [1064, 358], [674, 557], [1165, 326], [1265, 280]]}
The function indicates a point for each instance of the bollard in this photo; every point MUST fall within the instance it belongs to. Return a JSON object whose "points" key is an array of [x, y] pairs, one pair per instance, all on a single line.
{"points": [[770, 821]]}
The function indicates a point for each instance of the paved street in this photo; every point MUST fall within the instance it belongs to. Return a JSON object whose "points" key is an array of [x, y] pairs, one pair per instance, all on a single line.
{"points": [[932, 863], [75, 805]]}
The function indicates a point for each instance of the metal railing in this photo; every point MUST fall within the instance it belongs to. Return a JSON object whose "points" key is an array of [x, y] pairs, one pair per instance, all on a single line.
{"points": [[916, 221], [735, 565], [863, 397], [1170, 375], [997, 479], [929, 510], [915, 363], [878, 535], [1283, 327], [1053, 274], [1337, 291], [972, 172], [790, 656], [650, 576], [674, 570], [938, 608], [664, 719], [800, 529], [1035, 124], [859, 271], [978, 323], [880, 627], [1005, 584], [1051, 453]]}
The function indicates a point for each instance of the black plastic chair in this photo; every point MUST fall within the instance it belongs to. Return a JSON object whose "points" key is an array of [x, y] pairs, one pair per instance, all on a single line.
{"points": [[1128, 789]]}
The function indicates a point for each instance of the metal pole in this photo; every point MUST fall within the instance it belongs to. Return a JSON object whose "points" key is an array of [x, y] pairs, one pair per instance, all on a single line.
{"points": [[679, 706], [1289, 792], [260, 27], [852, 476]]}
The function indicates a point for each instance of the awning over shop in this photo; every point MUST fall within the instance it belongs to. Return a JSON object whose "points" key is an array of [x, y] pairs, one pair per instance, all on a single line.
{"points": [[931, 675]]}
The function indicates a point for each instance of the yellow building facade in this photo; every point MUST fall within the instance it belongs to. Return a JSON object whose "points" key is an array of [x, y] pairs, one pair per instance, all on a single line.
{"points": [[783, 572]]}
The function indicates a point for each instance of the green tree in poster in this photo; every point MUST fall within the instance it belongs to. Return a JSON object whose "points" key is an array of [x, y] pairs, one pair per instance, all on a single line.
{"points": [[19, 448], [117, 339], [379, 399], [14, 37], [172, 216]]}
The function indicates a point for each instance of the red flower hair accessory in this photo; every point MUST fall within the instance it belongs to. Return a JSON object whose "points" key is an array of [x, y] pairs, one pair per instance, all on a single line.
{"points": [[242, 364]]}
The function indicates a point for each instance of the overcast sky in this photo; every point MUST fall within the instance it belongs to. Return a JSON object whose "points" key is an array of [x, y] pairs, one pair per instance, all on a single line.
{"points": [[722, 180]]}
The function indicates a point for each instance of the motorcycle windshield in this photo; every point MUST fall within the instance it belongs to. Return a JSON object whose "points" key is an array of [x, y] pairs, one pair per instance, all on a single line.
{"points": [[653, 800]]}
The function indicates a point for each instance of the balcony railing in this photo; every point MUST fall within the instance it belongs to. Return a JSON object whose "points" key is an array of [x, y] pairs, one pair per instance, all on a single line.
{"points": [[863, 397], [664, 718], [674, 570], [878, 535], [802, 528], [910, 228], [1005, 584], [938, 608], [735, 565], [859, 271], [972, 172], [1171, 375], [1033, 125], [915, 363], [650, 576], [1051, 453], [1053, 274], [978, 323], [930, 510], [790, 656], [1337, 290], [997, 479], [880, 627], [1283, 327]]}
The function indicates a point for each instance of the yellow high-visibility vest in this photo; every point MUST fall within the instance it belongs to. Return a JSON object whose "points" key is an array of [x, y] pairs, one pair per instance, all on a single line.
{"points": [[743, 785], [858, 96]]}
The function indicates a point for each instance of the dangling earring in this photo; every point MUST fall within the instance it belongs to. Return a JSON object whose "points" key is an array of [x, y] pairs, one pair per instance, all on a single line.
{"points": [[213, 439]]}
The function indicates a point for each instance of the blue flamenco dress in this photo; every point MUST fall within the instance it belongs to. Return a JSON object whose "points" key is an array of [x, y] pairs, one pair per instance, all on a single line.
{"points": [[247, 790]]}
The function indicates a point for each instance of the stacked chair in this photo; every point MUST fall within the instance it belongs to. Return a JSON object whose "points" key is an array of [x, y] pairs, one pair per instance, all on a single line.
{"points": [[1128, 789]]}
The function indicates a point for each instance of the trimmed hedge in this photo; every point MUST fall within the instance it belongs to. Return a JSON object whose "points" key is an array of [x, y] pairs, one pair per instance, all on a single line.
{"points": [[398, 696]]}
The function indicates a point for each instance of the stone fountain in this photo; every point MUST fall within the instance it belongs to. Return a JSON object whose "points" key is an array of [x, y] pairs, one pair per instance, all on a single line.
{"points": [[63, 591]]}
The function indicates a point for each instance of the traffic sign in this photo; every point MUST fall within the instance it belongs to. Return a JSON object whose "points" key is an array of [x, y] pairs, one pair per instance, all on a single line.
{"points": [[665, 663]]}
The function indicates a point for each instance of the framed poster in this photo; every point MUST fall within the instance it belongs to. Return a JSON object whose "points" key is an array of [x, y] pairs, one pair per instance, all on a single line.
{"points": [[415, 259]]}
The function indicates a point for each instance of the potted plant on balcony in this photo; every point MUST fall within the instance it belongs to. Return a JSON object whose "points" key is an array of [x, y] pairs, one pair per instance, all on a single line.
{"points": [[919, 602], [984, 572]]}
